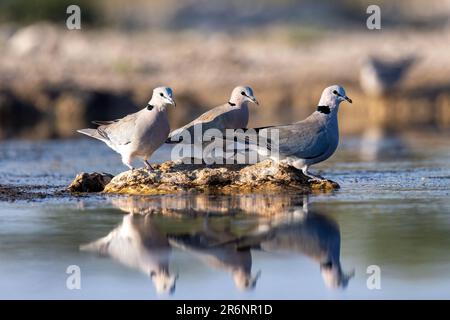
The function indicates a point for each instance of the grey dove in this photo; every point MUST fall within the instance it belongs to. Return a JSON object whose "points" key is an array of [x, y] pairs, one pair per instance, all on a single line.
{"points": [[306, 142], [138, 134], [232, 115], [379, 76]]}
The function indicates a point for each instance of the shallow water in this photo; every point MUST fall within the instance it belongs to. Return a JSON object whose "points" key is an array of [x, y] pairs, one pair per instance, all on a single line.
{"points": [[393, 211]]}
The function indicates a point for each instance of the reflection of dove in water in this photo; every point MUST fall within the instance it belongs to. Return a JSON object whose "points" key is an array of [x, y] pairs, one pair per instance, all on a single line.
{"points": [[381, 143], [304, 232], [138, 244], [317, 237], [207, 246], [379, 76]]}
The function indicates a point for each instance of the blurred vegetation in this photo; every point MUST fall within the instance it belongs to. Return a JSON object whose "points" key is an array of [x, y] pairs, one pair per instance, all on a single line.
{"points": [[29, 11], [225, 15]]}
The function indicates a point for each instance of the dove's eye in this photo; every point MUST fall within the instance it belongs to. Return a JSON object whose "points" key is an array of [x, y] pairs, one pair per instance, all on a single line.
{"points": [[336, 93], [161, 94], [243, 93]]}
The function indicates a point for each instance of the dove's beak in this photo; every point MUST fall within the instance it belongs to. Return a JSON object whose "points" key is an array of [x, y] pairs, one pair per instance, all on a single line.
{"points": [[253, 99], [172, 101], [348, 99]]}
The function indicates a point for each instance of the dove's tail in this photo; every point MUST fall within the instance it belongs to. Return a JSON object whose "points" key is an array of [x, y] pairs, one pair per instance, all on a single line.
{"points": [[170, 141], [92, 133], [175, 136]]}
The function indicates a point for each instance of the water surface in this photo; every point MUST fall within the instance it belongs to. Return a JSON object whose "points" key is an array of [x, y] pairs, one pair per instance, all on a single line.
{"points": [[393, 211]]}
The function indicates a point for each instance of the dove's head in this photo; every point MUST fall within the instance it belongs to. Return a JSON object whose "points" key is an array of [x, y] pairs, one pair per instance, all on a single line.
{"points": [[164, 282], [243, 94], [162, 97], [334, 277], [331, 98], [245, 281]]}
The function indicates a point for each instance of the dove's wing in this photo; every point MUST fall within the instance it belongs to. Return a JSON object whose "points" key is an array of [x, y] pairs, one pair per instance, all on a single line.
{"points": [[305, 139], [214, 118], [120, 131]]}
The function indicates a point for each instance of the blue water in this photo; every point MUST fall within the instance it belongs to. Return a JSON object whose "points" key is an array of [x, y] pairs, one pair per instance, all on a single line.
{"points": [[392, 212]]}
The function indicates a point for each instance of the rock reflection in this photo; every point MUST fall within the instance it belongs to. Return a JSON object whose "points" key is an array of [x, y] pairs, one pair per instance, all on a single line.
{"points": [[201, 204], [222, 232]]}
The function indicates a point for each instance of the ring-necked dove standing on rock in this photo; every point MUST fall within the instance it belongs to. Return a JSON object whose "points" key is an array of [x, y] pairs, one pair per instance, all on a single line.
{"points": [[231, 115], [138, 134], [306, 142]]}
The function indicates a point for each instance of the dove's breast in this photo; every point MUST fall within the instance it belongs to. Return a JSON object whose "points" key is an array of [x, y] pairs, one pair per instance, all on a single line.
{"points": [[151, 133], [236, 118], [332, 141]]}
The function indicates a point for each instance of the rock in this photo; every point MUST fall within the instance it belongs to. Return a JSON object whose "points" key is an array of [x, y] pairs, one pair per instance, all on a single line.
{"points": [[172, 177], [90, 182]]}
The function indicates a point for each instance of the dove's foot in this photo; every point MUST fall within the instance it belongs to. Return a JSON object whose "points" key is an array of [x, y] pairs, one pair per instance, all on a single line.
{"points": [[312, 177], [317, 180]]}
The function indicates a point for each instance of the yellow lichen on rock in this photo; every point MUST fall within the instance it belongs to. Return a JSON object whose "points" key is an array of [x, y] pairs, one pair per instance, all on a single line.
{"points": [[173, 177]]}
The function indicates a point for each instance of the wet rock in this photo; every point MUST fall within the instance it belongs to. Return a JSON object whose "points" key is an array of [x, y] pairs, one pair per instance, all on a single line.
{"points": [[172, 177], [90, 182], [22, 193]]}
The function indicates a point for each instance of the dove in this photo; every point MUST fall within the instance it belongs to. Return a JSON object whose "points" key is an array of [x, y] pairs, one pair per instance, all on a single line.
{"points": [[138, 134], [232, 115], [380, 76], [306, 142]]}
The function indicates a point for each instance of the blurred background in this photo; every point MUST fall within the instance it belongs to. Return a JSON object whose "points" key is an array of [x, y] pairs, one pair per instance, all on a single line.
{"points": [[54, 80]]}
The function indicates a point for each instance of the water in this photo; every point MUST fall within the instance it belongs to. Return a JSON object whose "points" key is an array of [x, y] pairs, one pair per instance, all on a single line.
{"points": [[393, 211]]}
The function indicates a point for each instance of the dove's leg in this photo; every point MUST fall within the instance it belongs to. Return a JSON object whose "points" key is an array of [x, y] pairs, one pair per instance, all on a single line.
{"points": [[310, 175], [147, 165]]}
